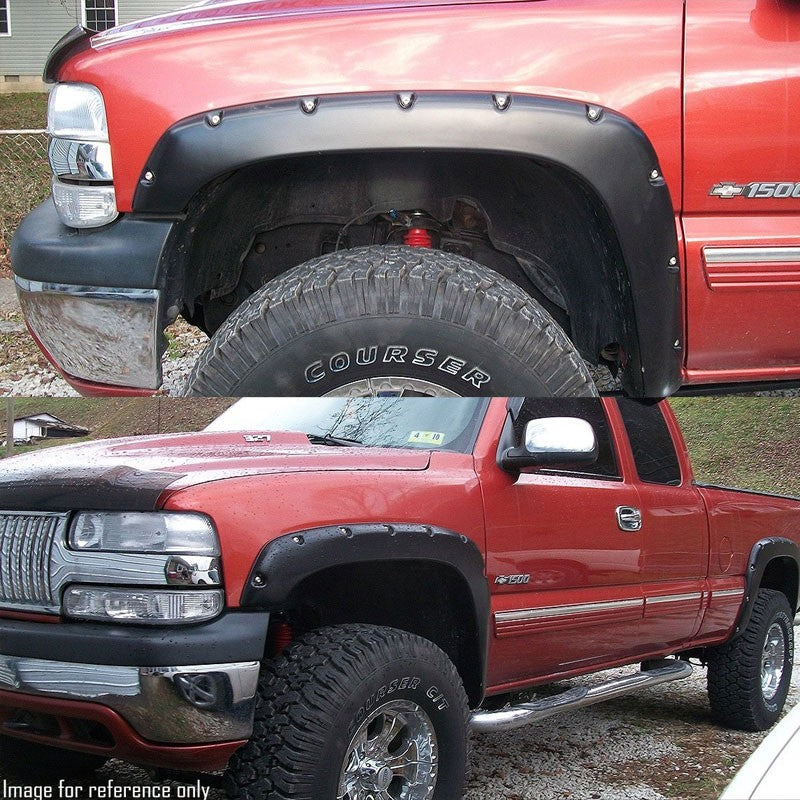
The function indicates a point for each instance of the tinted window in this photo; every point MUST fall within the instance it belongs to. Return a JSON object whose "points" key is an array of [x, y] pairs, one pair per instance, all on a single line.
{"points": [[585, 408], [653, 450]]}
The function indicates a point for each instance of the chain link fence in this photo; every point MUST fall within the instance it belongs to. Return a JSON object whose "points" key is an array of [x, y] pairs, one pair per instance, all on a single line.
{"points": [[24, 180]]}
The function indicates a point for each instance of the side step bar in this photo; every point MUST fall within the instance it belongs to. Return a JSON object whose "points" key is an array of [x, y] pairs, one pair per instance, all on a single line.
{"points": [[506, 719]]}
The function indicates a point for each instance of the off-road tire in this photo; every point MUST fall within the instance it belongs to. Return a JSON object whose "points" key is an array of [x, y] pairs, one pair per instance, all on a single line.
{"points": [[312, 696], [37, 763], [734, 668], [392, 312]]}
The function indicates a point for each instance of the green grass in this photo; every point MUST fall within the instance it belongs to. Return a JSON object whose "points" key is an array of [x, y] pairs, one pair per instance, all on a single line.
{"points": [[24, 172], [27, 110], [751, 442]]}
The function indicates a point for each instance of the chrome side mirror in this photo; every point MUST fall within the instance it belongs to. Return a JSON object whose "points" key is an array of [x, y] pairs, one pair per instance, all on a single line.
{"points": [[553, 440]]}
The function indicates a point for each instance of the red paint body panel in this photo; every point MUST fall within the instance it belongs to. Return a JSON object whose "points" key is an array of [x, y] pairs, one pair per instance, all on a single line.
{"points": [[250, 511], [128, 745], [662, 573], [742, 116], [539, 48]]}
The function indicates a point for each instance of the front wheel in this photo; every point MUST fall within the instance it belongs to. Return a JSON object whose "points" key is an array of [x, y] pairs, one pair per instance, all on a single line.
{"points": [[390, 321], [356, 712], [749, 677]]}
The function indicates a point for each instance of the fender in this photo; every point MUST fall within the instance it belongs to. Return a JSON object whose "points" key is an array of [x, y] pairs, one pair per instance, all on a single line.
{"points": [[285, 562], [763, 552], [608, 152]]}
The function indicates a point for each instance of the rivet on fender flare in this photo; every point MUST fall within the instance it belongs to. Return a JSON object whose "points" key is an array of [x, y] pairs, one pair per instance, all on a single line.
{"points": [[406, 100], [501, 101], [308, 105], [594, 113]]}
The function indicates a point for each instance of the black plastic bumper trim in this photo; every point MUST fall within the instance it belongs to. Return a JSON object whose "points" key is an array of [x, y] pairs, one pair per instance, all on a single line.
{"points": [[234, 636], [124, 254]]}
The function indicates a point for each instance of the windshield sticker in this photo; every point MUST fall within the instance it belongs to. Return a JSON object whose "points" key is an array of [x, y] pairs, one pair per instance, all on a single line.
{"points": [[426, 437]]}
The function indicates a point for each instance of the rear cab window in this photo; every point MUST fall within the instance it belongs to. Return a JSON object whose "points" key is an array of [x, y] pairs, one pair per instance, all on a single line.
{"points": [[653, 449]]}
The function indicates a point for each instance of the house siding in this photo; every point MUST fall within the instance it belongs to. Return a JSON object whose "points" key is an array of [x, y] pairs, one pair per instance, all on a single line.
{"points": [[36, 25]]}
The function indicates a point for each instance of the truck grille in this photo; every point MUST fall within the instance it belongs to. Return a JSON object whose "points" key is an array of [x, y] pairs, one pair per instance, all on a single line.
{"points": [[26, 541]]}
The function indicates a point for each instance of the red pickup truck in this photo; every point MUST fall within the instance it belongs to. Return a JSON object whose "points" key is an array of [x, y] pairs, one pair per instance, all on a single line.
{"points": [[425, 196], [326, 613]]}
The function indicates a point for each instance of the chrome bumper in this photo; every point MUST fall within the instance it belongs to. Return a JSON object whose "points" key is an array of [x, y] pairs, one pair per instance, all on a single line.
{"points": [[175, 705], [97, 334]]}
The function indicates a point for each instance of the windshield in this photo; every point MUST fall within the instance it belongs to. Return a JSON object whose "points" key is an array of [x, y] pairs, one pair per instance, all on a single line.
{"points": [[423, 423]]}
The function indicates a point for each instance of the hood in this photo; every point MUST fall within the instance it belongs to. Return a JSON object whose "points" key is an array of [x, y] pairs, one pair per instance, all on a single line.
{"points": [[132, 473], [217, 12]]}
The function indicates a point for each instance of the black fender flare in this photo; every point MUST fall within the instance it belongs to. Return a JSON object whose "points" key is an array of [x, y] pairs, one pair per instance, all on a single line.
{"points": [[607, 151], [285, 562], [764, 551]]}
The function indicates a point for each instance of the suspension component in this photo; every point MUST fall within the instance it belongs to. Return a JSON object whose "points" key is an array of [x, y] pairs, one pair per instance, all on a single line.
{"points": [[281, 638], [418, 237]]}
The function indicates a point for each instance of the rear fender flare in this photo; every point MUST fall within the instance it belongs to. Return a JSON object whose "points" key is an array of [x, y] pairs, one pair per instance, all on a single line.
{"points": [[764, 552]]}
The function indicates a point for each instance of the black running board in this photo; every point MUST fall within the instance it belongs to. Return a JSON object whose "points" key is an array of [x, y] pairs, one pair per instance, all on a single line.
{"points": [[525, 713]]}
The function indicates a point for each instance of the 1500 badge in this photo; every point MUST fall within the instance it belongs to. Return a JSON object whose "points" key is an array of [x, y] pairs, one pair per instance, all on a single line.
{"points": [[758, 190]]}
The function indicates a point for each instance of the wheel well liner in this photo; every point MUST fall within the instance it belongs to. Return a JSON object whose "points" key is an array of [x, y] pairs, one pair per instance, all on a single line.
{"points": [[609, 154], [371, 572], [774, 563]]}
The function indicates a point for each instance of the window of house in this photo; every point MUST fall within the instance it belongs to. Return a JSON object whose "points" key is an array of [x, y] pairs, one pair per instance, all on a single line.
{"points": [[99, 15], [5, 18], [584, 408]]}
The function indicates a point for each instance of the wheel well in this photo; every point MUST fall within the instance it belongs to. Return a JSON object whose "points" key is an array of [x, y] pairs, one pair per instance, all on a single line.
{"points": [[781, 574], [426, 599], [534, 222]]}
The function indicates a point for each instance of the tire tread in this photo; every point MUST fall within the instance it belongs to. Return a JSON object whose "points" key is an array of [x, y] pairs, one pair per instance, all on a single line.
{"points": [[389, 280]]}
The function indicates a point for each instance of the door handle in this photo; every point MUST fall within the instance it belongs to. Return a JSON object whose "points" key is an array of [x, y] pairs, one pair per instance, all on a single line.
{"points": [[629, 518]]}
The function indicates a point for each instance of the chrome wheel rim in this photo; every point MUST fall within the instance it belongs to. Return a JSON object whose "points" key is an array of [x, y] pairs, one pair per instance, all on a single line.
{"points": [[391, 386], [392, 756], [772, 661]]}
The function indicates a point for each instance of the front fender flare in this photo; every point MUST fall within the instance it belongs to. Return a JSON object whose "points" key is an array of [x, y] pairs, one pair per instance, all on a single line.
{"points": [[284, 563], [608, 152]]}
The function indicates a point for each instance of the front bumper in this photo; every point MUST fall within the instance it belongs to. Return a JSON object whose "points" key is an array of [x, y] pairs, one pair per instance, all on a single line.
{"points": [[94, 299], [177, 697], [189, 704]]}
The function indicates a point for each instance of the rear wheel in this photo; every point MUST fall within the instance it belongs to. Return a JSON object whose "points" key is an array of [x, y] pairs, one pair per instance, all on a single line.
{"points": [[356, 712], [390, 321], [748, 678]]}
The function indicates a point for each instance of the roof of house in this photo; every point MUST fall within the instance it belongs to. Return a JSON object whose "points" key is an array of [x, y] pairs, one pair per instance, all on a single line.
{"points": [[51, 421]]}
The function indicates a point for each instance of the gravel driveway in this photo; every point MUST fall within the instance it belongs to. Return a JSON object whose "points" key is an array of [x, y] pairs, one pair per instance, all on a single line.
{"points": [[659, 743]]}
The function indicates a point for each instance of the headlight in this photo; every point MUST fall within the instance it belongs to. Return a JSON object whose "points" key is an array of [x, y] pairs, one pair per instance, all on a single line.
{"points": [[144, 532], [80, 156], [141, 605], [77, 111]]}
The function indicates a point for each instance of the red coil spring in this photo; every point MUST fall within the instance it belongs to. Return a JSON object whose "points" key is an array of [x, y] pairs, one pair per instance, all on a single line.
{"points": [[281, 638], [418, 237]]}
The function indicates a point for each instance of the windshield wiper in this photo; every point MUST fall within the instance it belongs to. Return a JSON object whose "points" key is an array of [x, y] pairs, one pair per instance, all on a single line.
{"points": [[332, 441]]}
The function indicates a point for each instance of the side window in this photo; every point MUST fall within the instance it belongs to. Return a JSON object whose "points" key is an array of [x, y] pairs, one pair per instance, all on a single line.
{"points": [[652, 445], [590, 409], [5, 18]]}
